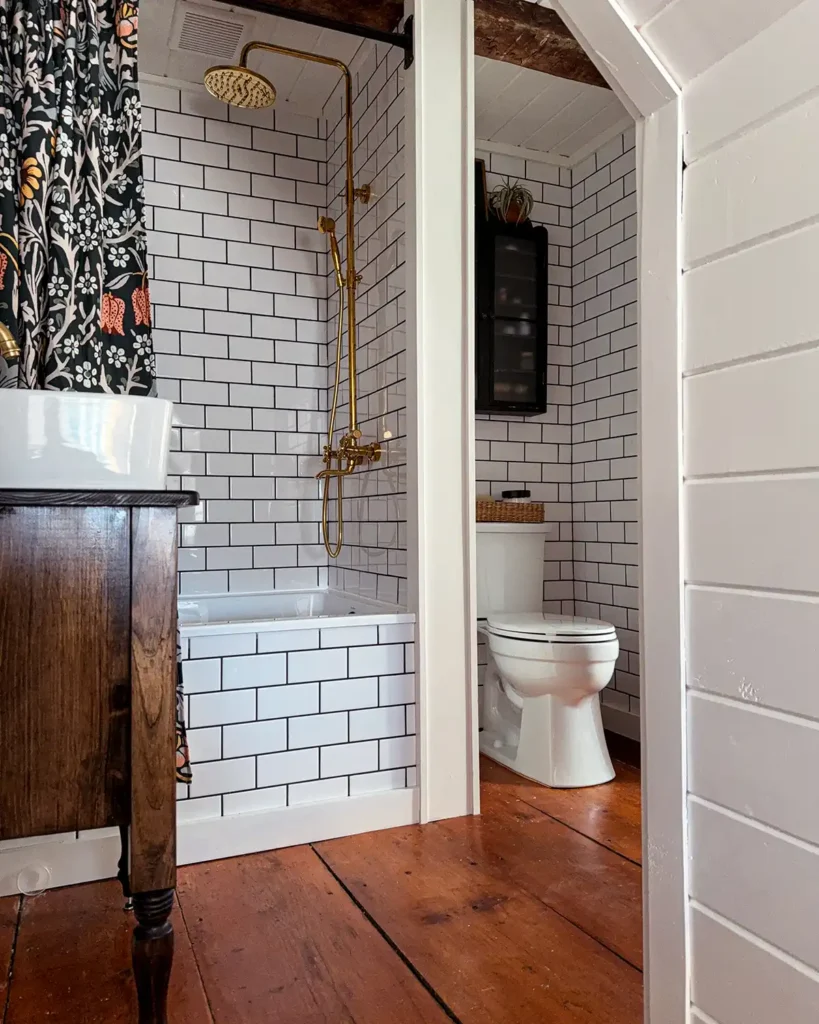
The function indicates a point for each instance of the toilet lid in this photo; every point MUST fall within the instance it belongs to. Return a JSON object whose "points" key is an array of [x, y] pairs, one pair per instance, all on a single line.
{"points": [[556, 628]]}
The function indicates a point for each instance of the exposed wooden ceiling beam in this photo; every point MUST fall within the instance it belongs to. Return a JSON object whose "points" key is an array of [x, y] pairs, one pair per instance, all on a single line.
{"points": [[532, 37], [513, 31]]}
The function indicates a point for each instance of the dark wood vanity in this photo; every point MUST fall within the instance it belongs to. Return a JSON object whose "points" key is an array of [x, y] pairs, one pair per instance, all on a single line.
{"points": [[88, 598]]}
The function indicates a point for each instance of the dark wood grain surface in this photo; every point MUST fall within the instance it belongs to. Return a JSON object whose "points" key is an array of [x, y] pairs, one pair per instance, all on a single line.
{"points": [[277, 940], [153, 699], [47, 498], [64, 637]]}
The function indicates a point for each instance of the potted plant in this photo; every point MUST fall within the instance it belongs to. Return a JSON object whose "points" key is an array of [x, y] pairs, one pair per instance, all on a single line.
{"points": [[511, 202]]}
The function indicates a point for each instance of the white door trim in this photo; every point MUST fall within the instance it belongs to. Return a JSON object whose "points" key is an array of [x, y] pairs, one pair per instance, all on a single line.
{"points": [[440, 187], [442, 164]]}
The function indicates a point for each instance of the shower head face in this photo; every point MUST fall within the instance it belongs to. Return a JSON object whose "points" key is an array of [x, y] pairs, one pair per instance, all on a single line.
{"points": [[240, 87]]}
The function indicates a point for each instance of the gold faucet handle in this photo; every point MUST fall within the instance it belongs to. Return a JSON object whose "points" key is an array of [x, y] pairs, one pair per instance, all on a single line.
{"points": [[9, 349], [364, 193]]}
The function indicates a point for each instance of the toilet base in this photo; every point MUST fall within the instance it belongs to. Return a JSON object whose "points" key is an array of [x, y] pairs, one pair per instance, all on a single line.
{"points": [[556, 743]]}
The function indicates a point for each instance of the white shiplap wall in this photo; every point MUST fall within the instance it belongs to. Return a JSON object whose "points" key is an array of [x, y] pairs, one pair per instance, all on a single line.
{"points": [[751, 365]]}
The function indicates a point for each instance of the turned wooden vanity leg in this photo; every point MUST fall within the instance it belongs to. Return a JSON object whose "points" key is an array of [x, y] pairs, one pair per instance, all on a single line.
{"points": [[152, 833], [153, 954], [123, 869]]}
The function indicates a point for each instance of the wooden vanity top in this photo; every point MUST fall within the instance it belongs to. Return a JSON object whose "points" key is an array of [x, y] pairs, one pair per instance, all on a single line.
{"points": [[99, 499]]}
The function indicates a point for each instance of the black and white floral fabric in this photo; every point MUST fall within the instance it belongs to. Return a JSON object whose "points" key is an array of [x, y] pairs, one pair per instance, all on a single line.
{"points": [[73, 272]]}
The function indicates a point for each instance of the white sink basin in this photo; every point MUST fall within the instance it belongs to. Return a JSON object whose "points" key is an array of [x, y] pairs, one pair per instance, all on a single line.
{"points": [[63, 440]]}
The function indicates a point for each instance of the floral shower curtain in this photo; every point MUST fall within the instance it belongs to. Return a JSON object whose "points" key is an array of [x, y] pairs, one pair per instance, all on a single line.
{"points": [[73, 272], [73, 259]]}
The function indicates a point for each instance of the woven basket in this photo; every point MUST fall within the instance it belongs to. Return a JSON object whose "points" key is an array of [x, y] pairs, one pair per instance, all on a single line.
{"points": [[509, 512]]}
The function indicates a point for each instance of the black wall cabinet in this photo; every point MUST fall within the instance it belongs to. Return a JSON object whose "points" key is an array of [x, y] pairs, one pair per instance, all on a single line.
{"points": [[512, 306]]}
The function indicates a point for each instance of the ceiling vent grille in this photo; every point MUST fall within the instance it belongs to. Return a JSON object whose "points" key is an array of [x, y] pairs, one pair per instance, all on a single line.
{"points": [[203, 30]]}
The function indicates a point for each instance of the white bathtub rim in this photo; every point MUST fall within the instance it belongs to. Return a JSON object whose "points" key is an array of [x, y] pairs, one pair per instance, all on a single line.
{"points": [[381, 614]]}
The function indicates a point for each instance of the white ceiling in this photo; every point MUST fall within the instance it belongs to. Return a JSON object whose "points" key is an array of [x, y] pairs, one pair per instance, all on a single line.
{"points": [[302, 87], [520, 107]]}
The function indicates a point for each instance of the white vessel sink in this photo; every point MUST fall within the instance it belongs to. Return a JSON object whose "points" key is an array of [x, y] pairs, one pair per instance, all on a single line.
{"points": [[63, 440]]}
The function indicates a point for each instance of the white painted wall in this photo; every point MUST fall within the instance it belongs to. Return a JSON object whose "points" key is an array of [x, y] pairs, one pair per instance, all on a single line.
{"points": [[751, 450]]}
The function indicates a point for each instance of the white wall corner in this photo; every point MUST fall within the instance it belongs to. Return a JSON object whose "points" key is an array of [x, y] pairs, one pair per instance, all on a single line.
{"points": [[620, 53], [663, 715]]}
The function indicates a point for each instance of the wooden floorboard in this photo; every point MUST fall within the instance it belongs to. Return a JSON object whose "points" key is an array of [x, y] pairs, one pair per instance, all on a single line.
{"points": [[609, 814], [73, 962], [9, 908], [586, 883], [278, 940], [490, 950], [530, 912]]}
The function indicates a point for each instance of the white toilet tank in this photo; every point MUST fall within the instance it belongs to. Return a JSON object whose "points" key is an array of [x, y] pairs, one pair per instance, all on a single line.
{"points": [[510, 567]]}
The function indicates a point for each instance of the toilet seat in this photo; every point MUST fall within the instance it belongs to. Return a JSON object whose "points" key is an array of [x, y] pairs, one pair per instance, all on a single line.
{"points": [[541, 627]]}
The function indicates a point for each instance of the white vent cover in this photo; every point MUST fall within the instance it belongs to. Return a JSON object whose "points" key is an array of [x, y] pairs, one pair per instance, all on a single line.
{"points": [[205, 30]]}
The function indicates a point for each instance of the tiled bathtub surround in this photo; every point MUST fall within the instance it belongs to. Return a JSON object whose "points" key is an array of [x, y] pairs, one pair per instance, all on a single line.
{"points": [[239, 312], [580, 457], [297, 712], [373, 562]]}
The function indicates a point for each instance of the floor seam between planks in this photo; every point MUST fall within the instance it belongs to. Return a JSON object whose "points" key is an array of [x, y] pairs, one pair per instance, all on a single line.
{"points": [[388, 939], [7, 1000], [579, 832], [195, 957]]}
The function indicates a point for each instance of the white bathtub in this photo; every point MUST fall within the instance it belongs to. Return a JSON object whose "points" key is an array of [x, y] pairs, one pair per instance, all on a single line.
{"points": [[282, 610]]}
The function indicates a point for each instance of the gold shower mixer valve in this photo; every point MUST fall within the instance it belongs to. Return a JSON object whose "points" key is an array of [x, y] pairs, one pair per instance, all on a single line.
{"points": [[351, 452]]}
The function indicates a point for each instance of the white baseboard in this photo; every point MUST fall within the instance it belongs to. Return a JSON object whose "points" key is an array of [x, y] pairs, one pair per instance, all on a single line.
{"points": [[94, 855], [621, 722]]}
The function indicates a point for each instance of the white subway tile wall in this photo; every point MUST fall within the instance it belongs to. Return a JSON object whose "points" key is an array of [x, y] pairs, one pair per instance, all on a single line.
{"points": [[373, 562], [239, 302], [302, 724], [581, 456], [604, 406], [535, 452]]}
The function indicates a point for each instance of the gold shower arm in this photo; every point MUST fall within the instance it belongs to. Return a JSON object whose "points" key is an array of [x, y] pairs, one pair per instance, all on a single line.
{"points": [[351, 279]]}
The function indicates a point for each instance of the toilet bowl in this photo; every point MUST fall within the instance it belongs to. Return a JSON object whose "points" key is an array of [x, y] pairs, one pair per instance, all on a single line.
{"points": [[541, 704]]}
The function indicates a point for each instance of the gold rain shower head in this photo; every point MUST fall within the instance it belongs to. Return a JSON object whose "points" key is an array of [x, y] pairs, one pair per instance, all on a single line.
{"points": [[239, 86]]}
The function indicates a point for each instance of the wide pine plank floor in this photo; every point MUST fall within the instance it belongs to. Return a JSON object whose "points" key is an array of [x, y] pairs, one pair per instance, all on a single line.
{"points": [[529, 913]]}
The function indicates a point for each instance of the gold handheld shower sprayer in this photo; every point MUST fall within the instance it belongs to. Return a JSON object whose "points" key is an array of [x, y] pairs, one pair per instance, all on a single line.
{"points": [[242, 87]]}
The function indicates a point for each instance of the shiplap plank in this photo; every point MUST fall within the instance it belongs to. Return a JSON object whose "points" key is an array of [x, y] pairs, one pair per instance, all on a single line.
{"points": [[761, 881], [737, 981], [769, 72], [754, 302], [692, 35], [772, 410], [754, 532], [641, 10], [726, 767], [759, 184], [755, 647]]}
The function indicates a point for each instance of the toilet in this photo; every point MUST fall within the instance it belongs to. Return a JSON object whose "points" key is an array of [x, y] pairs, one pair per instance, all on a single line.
{"points": [[541, 692]]}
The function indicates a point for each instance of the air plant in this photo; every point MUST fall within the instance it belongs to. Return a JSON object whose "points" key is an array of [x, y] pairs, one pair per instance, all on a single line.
{"points": [[511, 202]]}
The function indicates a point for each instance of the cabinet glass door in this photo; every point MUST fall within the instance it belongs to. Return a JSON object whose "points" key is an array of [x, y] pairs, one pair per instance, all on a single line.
{"points": [[515, 364], [515, 278]]}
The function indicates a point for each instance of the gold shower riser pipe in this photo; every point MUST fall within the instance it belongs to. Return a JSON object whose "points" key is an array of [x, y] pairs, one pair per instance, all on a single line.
{"points": [[351, 281]]}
